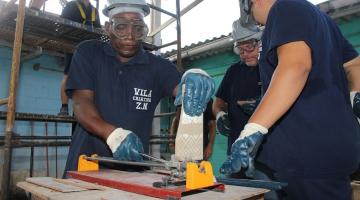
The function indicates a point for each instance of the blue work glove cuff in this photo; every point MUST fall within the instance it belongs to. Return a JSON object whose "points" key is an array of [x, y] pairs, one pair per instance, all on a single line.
{"points": [[194, 91], [223, 123], [125, 145]]}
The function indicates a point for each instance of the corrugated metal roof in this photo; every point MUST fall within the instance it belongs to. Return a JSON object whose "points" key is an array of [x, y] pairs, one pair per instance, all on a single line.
{"points": [[218, 44]]}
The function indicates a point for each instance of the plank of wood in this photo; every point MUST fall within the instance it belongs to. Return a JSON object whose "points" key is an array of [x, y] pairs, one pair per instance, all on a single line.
{"points": [[34, 190], [43, 193], [50, 182], [230, 193], [80, 184]]}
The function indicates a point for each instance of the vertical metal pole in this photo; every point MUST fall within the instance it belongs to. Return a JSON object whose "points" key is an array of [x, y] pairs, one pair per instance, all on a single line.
{"points": [[178, 28], [32, 151], [56, 151], [155, 149], [10, 118], [47, 151]]}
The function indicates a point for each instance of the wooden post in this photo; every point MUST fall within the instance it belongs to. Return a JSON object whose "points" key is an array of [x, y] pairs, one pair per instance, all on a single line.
{"points": [[12, 100]]}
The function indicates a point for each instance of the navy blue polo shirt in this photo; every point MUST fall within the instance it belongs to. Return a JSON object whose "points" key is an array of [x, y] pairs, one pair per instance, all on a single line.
{"points": [[319, 135], [125, 94], [240, 83]]}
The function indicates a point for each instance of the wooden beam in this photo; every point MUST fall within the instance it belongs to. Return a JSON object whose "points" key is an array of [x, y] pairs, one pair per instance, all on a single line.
{"points": [[3, 101]]}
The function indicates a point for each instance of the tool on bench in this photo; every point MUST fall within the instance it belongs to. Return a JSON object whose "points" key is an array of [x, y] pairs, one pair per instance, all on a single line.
{"points": [[194, 176], [271, 185]]}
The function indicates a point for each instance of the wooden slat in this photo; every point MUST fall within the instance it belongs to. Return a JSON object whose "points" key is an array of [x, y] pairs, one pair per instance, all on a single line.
{"points": [[50, 183], [81, 184]]}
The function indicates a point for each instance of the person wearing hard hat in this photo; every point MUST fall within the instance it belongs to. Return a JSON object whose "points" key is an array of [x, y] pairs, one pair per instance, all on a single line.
{"points": [[83, 12], [304, 123], [241, 83], [117, 85]]}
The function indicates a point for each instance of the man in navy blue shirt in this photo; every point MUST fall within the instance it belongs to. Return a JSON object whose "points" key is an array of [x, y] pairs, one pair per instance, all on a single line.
{"points": [[116, 86], [241, 84], [80, 11], [313, 143]]}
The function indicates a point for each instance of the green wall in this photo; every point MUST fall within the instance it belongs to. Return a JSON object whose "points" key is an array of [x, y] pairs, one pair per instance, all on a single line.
{"points": [[351, 30]]}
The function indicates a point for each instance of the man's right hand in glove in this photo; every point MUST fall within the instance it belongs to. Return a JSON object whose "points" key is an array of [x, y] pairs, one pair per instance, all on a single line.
{"points": [[249, 106], [223, 123], [244, 150], [125, 145]]}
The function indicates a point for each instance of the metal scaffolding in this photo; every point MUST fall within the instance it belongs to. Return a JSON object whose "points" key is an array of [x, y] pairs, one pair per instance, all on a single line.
{"points": [[47, 31]]}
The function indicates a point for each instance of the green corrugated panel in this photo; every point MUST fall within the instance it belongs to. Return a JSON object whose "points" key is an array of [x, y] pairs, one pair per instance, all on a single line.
{"points": [[351, 30], [350, 27]]}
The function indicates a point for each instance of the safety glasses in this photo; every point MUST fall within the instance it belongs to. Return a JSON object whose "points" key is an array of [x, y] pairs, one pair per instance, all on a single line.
{"points": [[124, 28], [247, 47]]}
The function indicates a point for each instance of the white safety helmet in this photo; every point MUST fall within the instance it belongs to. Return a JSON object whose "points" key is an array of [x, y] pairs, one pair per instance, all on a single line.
{"points": [[121, 6], [242, 33]]}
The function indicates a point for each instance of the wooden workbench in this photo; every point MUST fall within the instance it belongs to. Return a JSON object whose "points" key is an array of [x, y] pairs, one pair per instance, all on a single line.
{"points": [[106, 193]]}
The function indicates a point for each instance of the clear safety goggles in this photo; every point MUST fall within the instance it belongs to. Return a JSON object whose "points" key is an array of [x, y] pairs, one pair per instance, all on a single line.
{"points": [[123, 28], [250, 46]]}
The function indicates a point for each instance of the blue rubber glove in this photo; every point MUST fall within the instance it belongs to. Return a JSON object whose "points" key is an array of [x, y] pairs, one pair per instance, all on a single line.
{"points": [[249, 107], [125, 145], [356, 104], [199, 87], [223, 123], [244, 150]]}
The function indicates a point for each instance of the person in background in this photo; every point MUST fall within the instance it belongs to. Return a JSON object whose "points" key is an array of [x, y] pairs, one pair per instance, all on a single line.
{"points": [[83, 12], [209, 129], [117, 85], [235, 97], [304, 124]]}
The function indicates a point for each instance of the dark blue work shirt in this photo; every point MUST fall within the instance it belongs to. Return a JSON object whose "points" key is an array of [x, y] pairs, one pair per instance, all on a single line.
{"points": [[125, 94], [319, 135], [240, 83]]}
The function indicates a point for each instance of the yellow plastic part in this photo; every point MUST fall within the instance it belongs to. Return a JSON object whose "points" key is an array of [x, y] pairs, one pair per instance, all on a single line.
{"points": [[87, 165], [199, 177]]}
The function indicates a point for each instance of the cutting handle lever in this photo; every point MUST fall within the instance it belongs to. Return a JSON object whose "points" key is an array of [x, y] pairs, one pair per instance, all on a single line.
{"points": [[153, 158]]}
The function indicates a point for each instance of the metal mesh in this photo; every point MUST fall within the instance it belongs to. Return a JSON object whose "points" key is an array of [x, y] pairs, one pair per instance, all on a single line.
{"points": [[47, 30]]}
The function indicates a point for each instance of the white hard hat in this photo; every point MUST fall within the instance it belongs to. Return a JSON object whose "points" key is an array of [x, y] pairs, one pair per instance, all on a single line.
{"points": [[121, 6], [242, 33]]}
